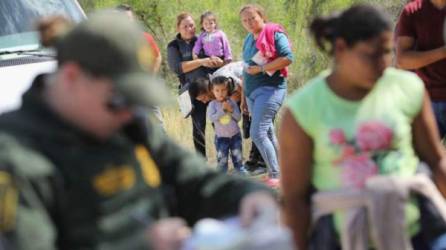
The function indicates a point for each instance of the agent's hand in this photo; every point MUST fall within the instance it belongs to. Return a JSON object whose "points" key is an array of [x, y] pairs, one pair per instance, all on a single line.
{"points": [[257, 205], [254, 70], [168, 234]]}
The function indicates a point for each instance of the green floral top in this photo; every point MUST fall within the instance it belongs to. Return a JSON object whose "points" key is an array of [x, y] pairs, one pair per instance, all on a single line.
{"points": [[354, 140]]}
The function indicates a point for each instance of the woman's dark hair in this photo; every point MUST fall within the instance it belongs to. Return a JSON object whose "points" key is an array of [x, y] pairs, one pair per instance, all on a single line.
{"points": [[223, 80], [199, 86], [257, 8], [355, 24], [208, 14], [182, 16]]}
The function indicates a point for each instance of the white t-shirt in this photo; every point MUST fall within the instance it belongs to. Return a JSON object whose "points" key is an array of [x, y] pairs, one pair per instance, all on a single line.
{"points": [[233, 70]]}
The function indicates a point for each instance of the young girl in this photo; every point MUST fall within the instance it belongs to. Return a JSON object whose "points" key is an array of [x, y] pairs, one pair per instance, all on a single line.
{"points": [[225, 114], [212, 41], [360, 119]]}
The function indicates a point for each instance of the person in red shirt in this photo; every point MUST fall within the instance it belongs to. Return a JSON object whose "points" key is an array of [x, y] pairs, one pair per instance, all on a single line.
{"points": [[420, 47], [128, 10], [155, 52]]}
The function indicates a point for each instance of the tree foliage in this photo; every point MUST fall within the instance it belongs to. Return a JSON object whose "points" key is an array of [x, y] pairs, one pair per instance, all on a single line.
{"points": [[159, 17]]}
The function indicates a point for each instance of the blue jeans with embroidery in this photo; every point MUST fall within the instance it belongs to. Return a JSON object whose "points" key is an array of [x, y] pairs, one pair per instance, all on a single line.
{"points": [[226, 145], [264, 103], [440, 116]]}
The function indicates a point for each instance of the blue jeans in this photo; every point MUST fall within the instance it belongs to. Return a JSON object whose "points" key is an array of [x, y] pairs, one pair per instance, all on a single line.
{"points": [[420, 243], [263, 104], [439, 243], [440, 116], [225, 145]]}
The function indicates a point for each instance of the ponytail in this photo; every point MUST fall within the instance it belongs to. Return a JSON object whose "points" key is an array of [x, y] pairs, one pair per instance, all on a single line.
{"points": [[324, 30], [231, 86]]}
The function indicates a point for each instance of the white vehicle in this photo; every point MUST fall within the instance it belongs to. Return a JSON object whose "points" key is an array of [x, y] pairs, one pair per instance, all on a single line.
{"points": [[21, 56]]}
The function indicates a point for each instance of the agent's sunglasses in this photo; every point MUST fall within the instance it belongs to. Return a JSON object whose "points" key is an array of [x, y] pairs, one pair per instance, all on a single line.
{"points": [[117, 102]]}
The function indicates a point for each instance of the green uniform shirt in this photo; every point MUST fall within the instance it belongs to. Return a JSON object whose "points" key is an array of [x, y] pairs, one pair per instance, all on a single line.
{"points": [[62, 189]]}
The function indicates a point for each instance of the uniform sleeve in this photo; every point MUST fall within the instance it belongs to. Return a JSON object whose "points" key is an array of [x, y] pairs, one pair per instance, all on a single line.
{"points": [[226, 47], [25, 216], [283, 47], [174, 59], [198, 191], [405, 24]]}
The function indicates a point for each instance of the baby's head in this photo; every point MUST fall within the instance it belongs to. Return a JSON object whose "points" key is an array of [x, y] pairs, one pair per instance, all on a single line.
{"points": [[208, 22]]}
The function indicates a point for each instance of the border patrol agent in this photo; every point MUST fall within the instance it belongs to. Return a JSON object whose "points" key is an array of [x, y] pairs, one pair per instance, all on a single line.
{"points": [[77, 171]]}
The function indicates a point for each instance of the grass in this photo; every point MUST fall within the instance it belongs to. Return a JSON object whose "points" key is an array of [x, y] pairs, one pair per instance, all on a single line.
{"points": [[180, 130]]}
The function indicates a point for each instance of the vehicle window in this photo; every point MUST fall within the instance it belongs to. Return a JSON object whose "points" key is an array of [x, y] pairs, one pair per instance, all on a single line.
{"points": [[18, 17]]}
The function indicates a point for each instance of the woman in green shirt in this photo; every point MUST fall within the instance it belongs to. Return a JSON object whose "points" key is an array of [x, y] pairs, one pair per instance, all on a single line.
{"points": [[359, 119]]}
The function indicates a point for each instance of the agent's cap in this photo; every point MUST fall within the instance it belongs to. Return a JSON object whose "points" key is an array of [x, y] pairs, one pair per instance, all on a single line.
{"points": [[108, 44]]}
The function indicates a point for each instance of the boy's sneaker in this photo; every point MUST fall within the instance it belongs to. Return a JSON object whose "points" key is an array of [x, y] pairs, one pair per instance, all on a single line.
{"points": [[272, 182]]}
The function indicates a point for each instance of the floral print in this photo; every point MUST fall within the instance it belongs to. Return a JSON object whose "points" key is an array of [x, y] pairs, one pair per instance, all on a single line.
{"points": [[360, 157], [337, 136], [356, 169], [374, 136]]}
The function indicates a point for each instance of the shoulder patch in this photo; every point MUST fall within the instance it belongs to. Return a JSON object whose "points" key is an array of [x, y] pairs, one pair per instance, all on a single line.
{"points": [[114, 180], [8, 202], [149, 168]]}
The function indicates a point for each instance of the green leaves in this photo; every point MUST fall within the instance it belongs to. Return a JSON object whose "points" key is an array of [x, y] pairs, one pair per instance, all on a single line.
{"points": [[159, 17]]}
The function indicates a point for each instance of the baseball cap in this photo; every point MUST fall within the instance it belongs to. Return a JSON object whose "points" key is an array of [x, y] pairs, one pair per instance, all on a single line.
{"points": [[108, 44]]}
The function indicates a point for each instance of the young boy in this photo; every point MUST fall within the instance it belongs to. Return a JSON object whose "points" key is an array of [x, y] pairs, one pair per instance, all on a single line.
{"points": [[225, 114]]}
